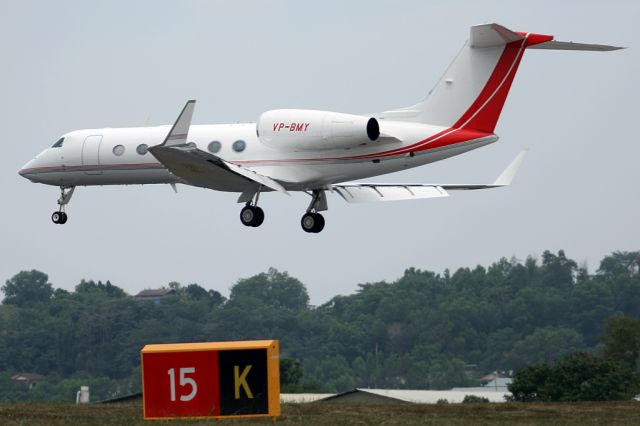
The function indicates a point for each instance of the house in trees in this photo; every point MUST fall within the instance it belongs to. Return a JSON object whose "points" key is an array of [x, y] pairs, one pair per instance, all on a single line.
{"points": [[154, 295], [29, 380]]}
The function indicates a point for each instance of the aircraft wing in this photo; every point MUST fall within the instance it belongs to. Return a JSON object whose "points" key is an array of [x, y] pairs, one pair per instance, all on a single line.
{"points": [[206, 170], [198, 167], [369, 192]]}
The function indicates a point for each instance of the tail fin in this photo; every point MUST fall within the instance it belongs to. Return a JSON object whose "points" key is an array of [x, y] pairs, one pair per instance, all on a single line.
{"points": [[473, 90]]}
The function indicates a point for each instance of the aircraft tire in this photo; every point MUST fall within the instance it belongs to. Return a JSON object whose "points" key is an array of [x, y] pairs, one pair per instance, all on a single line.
{"points": [[312, 222], [252, 216], [258, 217], [319, 223]]}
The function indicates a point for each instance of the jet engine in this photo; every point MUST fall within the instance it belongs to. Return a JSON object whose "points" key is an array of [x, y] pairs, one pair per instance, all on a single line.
{"points": [[309, 130]]}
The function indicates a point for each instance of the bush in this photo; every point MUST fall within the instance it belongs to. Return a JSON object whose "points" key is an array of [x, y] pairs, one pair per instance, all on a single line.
{"points": [[576, 377], [473, 399]]}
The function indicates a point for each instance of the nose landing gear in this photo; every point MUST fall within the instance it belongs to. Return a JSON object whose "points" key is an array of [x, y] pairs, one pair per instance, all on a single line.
{"points": [[60, 217]]}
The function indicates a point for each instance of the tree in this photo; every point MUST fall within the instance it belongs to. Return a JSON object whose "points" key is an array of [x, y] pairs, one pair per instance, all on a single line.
{"points": [[620, 263], [557, 271], [99, 289], [530, 383], [27, 287], [621, 340], [276, 289], [576, 377], [545, 345], [290, 374]]}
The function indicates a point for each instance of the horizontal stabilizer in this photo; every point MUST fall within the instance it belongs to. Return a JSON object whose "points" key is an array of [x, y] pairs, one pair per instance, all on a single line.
{"points": [[569, 45]]}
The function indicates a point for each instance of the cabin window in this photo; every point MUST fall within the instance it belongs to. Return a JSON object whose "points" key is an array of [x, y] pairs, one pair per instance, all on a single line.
{"points": [[239, 146], [58, 143], [142, 149], [214, 146], [118, 150]]}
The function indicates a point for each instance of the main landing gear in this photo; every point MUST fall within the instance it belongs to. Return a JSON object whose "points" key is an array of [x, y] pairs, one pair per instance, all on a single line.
{"points": [[312, 221], [60, 217], [251, 214]]}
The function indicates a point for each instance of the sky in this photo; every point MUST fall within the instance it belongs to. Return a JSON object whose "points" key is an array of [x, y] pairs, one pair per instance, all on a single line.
{"points": [[70, 65]]}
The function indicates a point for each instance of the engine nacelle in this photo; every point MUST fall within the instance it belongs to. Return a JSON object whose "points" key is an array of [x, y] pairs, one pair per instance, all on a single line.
{"points": [[309, 130]]}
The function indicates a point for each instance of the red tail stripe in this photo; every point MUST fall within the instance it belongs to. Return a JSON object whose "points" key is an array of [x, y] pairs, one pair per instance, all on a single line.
{"points": [[484, 112]]}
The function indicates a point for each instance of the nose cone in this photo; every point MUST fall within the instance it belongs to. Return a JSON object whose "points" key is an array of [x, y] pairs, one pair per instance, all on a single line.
{"points": [[27, 171]]}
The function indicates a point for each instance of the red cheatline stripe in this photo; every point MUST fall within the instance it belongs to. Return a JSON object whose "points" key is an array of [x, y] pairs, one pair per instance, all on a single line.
{"points": [[178, 136], [102, 166]]}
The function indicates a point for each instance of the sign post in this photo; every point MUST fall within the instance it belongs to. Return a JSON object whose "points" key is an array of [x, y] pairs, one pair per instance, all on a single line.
{"points": [[211, 380]]}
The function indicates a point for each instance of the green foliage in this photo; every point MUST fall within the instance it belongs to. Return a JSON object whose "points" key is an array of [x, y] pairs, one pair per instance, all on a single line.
{"points": [[27, 287], [274, 289], [622, 340], [545, 344], [473, 399], [290, 373], [576, 377], [423, 331]]}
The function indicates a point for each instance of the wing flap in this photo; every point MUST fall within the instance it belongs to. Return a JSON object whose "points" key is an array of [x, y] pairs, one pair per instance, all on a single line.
{"points": [[364, 193], [371, 192]]}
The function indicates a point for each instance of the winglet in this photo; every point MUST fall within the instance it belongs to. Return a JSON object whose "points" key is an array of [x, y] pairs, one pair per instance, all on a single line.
{"points": [[507, 175], [178, 133]]}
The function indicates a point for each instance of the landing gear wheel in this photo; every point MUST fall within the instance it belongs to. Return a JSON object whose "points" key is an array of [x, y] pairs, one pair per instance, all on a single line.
{"points": [[60, 217], [259, 217], [252, 216], [312, 222]]}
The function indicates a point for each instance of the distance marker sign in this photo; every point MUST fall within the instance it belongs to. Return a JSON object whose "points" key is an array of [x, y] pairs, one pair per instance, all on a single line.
{"points": [[211, 380]]}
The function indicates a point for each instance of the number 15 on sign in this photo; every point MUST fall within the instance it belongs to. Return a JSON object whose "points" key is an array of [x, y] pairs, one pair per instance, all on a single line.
{"points": [[184, 381]]}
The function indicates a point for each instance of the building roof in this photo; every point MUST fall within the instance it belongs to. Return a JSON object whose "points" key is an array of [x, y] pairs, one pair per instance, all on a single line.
{"points": [[155, 292], [421, 396], [300, 398], [27, 377]]}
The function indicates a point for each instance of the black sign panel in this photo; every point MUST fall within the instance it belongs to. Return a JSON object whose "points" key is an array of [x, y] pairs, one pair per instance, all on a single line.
{"points": [[243, 382]]}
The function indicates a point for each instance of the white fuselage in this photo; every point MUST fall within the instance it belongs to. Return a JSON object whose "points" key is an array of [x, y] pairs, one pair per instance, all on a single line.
{"points": [[91, 157]]}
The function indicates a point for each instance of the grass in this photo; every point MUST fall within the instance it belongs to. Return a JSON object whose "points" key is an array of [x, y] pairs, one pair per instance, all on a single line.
{"points": [[332, 414]]}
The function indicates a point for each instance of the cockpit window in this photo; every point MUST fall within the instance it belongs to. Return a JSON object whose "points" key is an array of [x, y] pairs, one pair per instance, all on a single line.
{"points": [[58, 144]]}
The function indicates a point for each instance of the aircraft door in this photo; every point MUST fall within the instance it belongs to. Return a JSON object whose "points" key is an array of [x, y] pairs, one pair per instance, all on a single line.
{"points": [[91, 155]]}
